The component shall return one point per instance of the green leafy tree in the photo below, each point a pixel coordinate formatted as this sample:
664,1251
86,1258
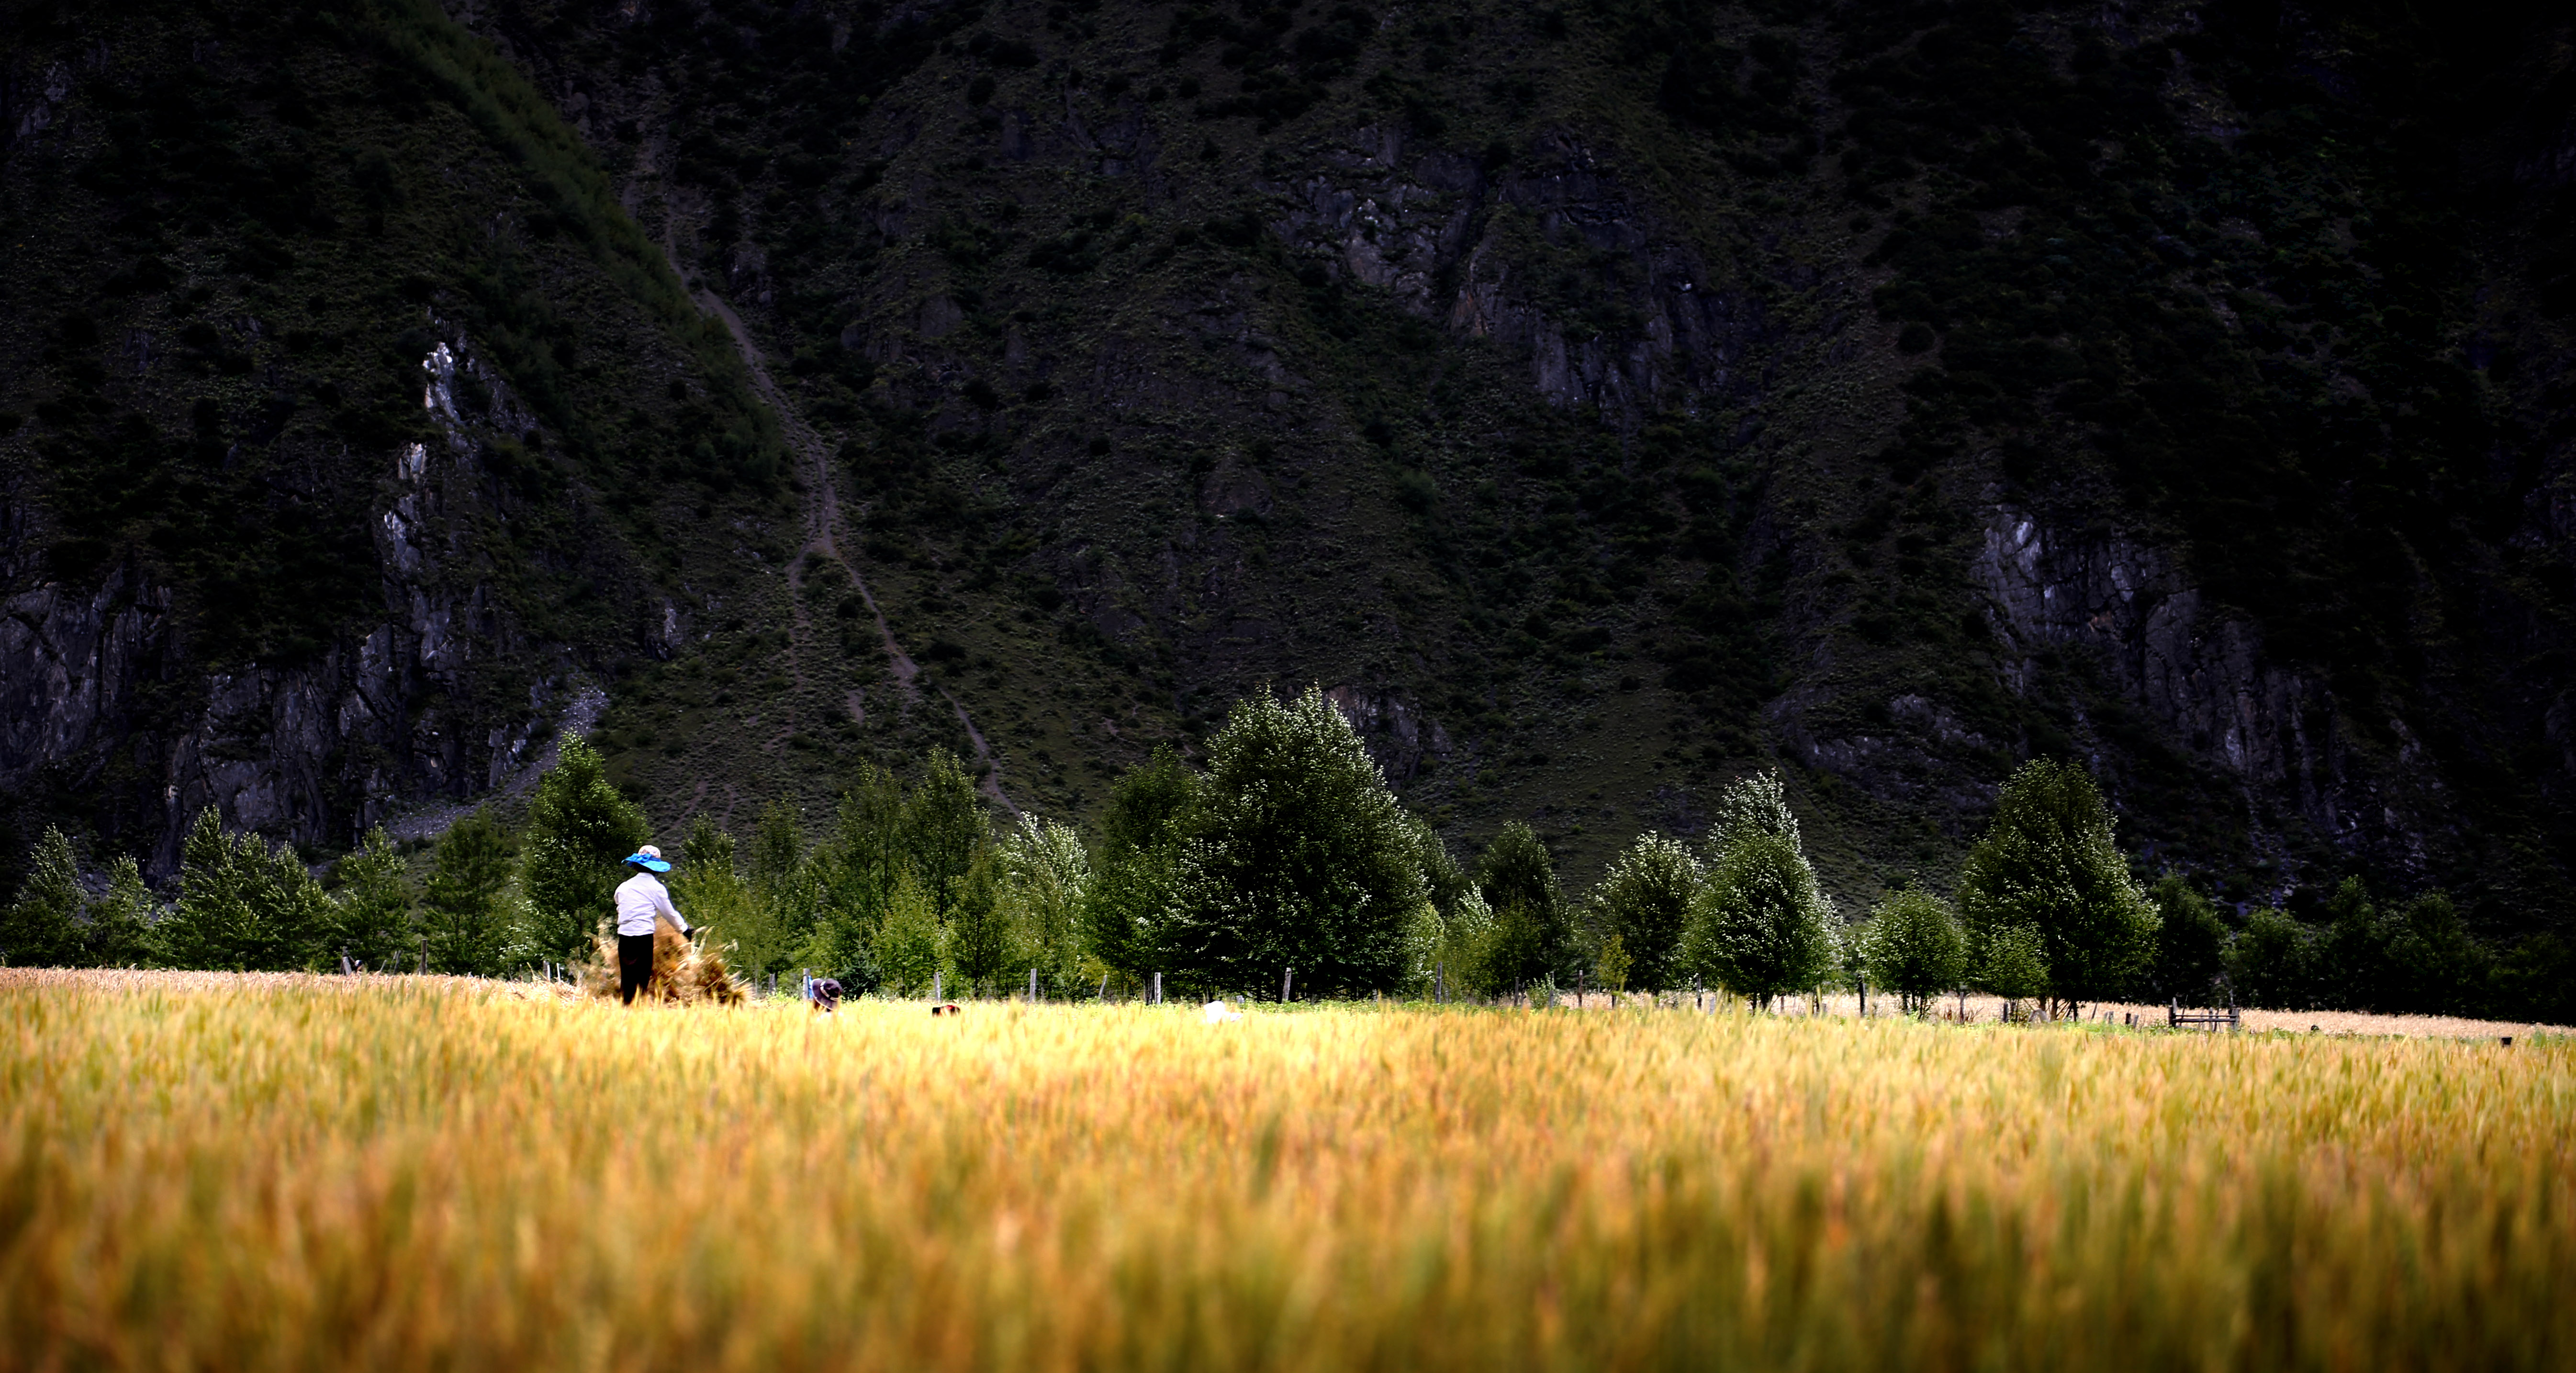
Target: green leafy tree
578,827
1298,857
1141,834
2273,962
1443,880
1517,871
214,923
2047,863
1519,954
908,944
1760,926
1610,972
41,928
1913,946
710,890
2191,941
1755,804
944,827
856,869
1464,958
122,922
2436,966
244,905
777,848
1644,903
372,919
2014,966
1046,878
980,946
464,926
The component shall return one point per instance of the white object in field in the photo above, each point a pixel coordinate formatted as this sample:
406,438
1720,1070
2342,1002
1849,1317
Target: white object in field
1217,1014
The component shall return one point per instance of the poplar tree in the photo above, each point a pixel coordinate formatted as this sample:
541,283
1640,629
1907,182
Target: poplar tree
2047,864
1644,904
1913,946
1046,877
1296,856
1759,926
979,930
2191,942
244,905
1150,811
122,922
1532,940
943,828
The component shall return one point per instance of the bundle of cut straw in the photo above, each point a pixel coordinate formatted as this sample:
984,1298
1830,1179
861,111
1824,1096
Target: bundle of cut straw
683,972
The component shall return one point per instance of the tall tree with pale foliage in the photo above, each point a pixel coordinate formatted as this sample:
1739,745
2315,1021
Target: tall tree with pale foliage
1046,877
1645,903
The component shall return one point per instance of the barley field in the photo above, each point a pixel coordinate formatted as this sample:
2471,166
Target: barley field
285,1173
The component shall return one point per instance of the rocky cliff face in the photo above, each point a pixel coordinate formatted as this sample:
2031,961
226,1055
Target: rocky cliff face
106,699
1444,240
2294,755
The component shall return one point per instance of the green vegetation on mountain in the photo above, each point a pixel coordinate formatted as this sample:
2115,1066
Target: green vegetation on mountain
1601,402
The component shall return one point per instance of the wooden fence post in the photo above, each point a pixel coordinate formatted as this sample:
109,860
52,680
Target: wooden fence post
1033,985
1286,977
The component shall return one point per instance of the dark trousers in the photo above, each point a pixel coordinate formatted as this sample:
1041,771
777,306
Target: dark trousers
634,965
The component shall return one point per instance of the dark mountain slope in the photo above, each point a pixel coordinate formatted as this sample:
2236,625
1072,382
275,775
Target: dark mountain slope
348,422
1605,399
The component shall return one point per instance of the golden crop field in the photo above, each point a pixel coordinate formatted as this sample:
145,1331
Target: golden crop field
310,1174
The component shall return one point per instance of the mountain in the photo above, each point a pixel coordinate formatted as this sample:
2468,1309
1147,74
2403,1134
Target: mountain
1599,400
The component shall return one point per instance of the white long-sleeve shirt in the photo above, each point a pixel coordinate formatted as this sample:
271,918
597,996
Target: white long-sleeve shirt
639,899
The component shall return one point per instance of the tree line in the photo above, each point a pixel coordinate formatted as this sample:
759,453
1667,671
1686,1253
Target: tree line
1283,856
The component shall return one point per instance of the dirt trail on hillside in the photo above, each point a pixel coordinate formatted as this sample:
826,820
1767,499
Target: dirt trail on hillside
822,526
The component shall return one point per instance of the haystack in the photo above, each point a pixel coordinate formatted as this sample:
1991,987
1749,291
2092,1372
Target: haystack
682,972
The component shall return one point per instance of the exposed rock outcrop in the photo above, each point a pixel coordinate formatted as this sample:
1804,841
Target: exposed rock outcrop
2202,675
105,699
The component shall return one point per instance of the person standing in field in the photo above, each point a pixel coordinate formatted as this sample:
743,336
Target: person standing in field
641,900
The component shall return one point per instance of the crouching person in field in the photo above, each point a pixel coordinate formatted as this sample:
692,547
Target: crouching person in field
641,900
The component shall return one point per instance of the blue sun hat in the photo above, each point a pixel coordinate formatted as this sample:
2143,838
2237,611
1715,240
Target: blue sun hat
649,859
